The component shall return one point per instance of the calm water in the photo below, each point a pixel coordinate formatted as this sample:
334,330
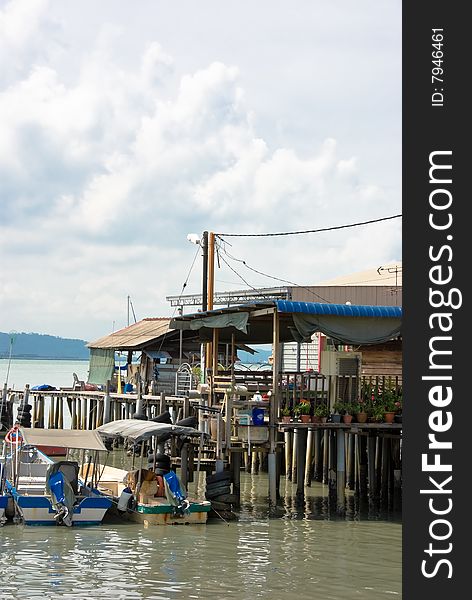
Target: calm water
304,553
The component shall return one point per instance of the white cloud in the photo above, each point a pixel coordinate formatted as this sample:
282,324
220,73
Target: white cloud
105,170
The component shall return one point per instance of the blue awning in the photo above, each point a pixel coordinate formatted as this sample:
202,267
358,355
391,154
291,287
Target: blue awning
341,310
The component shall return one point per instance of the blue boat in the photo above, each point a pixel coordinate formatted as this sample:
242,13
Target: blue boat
48,492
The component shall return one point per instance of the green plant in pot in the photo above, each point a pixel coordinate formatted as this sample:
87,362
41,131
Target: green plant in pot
359,411
321,411
302,410
339,407
285,414
337,411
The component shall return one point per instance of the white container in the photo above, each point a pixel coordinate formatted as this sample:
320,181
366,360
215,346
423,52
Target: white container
253,433
124,499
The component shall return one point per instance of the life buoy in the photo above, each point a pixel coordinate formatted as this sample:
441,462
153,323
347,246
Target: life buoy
13,436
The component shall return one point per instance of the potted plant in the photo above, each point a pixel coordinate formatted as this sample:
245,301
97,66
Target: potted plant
390,398
337,411
321,412
359,410
285,414
348,412
302,410
378,413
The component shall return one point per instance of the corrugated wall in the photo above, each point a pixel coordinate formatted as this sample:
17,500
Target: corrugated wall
377,295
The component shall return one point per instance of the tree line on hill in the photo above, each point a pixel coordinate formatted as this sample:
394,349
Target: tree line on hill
37,346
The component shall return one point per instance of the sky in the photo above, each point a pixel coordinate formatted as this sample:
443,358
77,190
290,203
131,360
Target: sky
126,126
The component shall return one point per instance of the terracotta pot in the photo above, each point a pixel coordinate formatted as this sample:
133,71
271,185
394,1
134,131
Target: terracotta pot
361,417
347,418
324,419
305,418
389,417
315,419
286,419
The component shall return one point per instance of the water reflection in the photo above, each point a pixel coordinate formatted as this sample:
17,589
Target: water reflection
307,552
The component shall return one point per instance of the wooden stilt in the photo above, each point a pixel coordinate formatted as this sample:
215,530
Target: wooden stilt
318,470
294,455
325,455
236,475
308,457
301,435
288,453
340,472
371,468
384,473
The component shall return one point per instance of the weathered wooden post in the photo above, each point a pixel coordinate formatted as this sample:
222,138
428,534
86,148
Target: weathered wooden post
288,453
371,467
184,466
274,411
236,475
308,459
340,472
318,471
107,403
301,435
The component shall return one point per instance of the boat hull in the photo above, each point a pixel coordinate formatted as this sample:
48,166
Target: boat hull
3,507
162,513
38,510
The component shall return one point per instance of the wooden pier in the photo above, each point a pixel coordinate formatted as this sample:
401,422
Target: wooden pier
359,458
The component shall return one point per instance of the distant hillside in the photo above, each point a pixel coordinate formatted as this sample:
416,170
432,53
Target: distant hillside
36,345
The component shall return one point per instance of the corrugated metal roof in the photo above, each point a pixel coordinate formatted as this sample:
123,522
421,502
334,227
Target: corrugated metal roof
134,336
344,310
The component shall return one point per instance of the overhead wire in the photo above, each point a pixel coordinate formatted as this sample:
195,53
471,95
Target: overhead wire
269,276
184,285
358,224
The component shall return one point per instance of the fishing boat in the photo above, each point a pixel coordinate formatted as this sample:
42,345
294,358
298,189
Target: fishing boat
48,492
152,495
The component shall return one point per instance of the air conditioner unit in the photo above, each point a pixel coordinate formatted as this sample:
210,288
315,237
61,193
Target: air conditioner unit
336,363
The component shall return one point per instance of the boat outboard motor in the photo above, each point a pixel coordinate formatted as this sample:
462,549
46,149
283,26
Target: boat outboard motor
175,494
63,498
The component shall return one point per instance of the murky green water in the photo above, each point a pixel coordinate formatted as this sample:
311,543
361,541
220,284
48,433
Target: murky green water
306,552
301,554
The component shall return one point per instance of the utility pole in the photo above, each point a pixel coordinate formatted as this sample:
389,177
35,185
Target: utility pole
205,271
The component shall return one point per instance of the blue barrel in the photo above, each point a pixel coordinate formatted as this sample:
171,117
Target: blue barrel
258,416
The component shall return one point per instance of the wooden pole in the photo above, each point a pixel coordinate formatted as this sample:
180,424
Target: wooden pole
308,459
294,455
236,473
274,409
301,435
318,472
106,404
371,468
340,472
288,453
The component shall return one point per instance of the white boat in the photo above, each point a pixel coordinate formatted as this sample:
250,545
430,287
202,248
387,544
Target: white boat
146,495
48,492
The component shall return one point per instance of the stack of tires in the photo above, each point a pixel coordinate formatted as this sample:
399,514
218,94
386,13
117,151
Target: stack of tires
23,415
218,491
162,465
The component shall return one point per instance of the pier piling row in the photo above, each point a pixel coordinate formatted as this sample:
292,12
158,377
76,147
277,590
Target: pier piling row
363,459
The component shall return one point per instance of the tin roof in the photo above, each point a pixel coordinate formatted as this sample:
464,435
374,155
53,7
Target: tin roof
135,336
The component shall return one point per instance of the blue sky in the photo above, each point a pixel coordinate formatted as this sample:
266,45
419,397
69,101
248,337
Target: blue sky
127,126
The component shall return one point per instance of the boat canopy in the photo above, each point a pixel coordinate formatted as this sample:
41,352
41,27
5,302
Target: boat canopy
62,438
138,430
